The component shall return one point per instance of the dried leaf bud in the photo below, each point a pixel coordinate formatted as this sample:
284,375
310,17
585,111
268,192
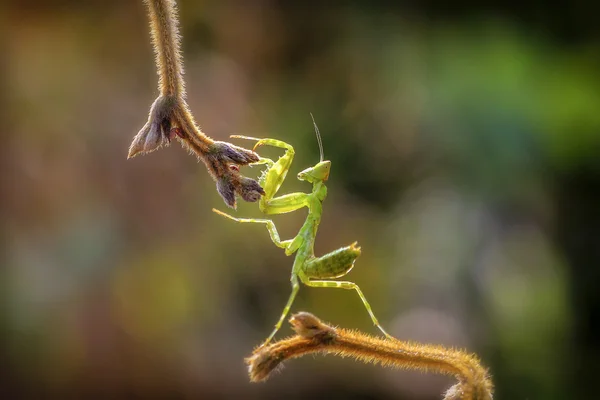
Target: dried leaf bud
227,152
249,190
227,190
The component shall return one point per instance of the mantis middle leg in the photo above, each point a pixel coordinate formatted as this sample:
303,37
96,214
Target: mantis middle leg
284,244
290,245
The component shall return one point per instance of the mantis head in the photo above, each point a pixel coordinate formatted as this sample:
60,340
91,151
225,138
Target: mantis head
320,172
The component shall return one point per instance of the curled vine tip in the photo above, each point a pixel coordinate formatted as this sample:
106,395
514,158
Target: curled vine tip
308,326
314,336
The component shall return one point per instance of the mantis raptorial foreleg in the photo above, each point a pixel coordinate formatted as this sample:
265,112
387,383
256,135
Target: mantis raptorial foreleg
273,178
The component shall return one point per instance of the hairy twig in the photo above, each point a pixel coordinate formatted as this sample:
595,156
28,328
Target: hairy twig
170,115
314,336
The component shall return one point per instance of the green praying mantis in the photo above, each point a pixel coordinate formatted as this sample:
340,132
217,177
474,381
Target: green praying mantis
311,270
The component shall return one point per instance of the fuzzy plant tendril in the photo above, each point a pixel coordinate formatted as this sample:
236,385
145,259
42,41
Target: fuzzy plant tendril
314,336
170,116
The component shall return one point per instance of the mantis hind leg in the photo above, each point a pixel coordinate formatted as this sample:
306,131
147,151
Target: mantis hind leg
335,265
286,310
349,286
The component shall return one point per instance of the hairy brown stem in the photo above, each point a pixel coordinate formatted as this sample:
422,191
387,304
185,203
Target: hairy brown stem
171,117
165,37
314,336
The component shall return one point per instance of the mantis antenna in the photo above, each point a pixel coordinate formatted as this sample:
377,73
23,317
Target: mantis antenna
318,137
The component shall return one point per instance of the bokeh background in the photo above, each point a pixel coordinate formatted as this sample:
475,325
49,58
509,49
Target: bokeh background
465,147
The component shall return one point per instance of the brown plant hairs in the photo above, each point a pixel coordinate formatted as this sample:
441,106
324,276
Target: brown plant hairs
171,117
314,336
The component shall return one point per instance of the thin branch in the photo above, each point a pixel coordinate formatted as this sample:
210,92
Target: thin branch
314,336
171,117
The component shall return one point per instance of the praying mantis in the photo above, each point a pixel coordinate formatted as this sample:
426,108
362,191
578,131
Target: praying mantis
311,270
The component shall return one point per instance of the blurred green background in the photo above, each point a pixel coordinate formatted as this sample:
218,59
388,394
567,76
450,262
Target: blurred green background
465,149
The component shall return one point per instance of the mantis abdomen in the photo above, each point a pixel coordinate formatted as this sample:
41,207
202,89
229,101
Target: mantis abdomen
332,265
